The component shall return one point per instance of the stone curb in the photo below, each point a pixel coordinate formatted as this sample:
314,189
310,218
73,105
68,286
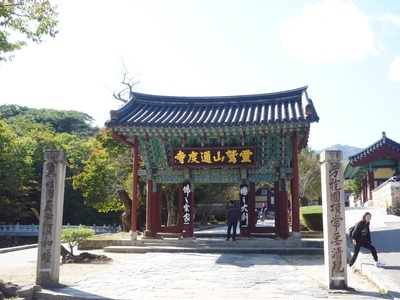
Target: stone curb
367,267
10,249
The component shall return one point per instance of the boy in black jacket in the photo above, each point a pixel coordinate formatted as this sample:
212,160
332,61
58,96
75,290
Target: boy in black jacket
362,238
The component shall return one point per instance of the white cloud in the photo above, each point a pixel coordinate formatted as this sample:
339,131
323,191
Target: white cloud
331,30
390,18
394,70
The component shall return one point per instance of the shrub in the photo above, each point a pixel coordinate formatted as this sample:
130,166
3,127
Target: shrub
74,236
311,217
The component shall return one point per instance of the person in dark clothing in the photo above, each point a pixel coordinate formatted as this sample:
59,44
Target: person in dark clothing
232,217
361,237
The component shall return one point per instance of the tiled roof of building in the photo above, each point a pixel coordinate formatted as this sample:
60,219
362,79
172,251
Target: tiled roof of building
384,141
384,153
146,110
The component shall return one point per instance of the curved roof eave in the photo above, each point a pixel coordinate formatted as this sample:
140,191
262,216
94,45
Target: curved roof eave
244,105
369,151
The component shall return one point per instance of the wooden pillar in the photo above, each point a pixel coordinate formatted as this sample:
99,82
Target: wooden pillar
186,209
135,199
149,223
154,209
243,206
363,191
370,184
252,207
284,233
158,207
269,204
277,207
191,225
295,186
180,210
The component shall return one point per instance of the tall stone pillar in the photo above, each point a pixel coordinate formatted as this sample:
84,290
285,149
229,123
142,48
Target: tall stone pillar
334,219
51,211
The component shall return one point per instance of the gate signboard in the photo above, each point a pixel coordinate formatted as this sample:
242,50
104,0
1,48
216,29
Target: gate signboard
213,157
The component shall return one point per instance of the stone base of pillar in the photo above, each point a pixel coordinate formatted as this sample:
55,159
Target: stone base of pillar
133,235
295,235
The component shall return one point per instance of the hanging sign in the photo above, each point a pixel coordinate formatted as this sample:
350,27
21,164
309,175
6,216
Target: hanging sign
186,203
244,205
214,157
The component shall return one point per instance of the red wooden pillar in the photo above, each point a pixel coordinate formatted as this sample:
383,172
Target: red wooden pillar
370,184
187,228
295,186
244,231
135,199
284,228
252,207
155,210
149,221
363,191
180,208
277,206
158,204
191,225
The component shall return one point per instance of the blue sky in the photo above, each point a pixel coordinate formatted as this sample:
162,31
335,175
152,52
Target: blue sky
346,52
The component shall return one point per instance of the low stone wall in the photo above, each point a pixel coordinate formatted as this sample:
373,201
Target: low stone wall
352,200
388,192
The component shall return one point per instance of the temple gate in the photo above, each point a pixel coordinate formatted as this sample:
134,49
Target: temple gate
243,140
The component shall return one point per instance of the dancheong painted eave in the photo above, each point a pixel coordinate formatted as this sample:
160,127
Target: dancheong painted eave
144,110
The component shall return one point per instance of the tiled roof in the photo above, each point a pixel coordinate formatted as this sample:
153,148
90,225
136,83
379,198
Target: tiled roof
384,153
384,141
146,110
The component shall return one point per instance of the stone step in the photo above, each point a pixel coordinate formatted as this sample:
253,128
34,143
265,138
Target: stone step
219,245
227,249
240,242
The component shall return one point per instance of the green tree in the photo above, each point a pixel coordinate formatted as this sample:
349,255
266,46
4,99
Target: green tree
212,193
309,176
68,121
25,20
40,137
353,185
74,236
16,176
106,179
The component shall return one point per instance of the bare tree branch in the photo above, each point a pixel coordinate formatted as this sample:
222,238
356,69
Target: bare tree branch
128,79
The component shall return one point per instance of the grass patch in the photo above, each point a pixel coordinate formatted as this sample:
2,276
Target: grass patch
311,217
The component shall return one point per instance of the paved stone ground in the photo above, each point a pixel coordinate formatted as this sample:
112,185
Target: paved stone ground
215,276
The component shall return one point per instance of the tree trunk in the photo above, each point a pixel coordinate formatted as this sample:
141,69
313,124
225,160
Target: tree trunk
127,215
169,196
171,211
203,218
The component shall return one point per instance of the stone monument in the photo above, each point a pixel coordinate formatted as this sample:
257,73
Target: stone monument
335,250
51,211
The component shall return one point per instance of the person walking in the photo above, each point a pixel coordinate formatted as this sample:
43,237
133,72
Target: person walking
361,237
232,217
